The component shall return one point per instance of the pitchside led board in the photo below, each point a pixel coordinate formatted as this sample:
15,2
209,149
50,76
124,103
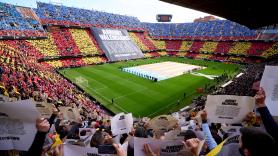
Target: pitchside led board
116,44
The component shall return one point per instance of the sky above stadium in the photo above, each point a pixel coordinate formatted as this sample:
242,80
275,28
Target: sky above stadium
145,10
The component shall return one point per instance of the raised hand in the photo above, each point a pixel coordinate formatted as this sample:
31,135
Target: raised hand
260,98
54,110
42,125
192,145
148,151
120,151
204,116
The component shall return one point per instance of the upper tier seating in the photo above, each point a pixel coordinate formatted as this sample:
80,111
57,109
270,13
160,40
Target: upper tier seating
224,29
14,23
71,15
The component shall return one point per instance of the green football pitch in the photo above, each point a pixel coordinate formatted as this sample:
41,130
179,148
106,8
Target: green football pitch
140,96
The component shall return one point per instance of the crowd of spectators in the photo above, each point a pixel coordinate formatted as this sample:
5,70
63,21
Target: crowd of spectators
263,49
241,86
68,48
76,62
65,42
46,46
144,43
23,77
257,134
70,15
271,51
217,29
209,47
13,23
84,42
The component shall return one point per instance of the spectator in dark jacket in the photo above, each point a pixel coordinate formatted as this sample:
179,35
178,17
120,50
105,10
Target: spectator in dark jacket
43,126
268,121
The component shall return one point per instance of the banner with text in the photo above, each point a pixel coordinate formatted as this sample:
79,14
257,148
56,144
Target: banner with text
270,84
166,147
116,44
121,123
228,108
17,125
73,150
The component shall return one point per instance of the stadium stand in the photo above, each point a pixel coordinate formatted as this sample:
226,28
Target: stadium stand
40,83
46,46
181,54
191,55
185,45
30,55
95,42
271,51
257,49
240,48
196,46
94,60
223,47
141,42
62,15
163,53
159,44
138,41
14,24
219,29
203,56
65,43
209,47
55,63
147,55
218,57
172,45
83,42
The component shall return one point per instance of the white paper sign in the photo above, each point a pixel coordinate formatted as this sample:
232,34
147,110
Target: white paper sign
228,108
121,123
176,115
270,84
74,150
86,139
44,109
3,99
231,129
167,147
173,135
17,125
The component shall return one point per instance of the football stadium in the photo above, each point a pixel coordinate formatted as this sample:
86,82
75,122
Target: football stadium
76,81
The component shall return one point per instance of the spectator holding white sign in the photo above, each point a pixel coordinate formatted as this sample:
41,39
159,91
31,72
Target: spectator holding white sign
268,121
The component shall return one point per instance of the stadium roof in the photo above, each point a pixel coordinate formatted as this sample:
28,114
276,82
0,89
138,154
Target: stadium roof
253,14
